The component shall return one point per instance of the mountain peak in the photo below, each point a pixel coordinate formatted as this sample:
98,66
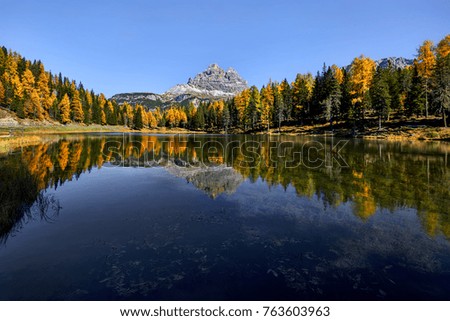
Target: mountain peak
211,84
216,79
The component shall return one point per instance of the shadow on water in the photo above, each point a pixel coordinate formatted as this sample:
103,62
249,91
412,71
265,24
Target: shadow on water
22,200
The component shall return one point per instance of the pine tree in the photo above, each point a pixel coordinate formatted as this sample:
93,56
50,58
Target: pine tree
278,106
253,110
415,100
137,118
441,79
379,94
286,92
301,95
226,118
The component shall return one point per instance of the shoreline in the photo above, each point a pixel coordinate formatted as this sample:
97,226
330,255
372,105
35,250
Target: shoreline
401,133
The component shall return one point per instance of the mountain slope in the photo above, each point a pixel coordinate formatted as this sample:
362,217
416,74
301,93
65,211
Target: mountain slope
212,84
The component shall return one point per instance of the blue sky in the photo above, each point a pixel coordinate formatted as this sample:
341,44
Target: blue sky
123,46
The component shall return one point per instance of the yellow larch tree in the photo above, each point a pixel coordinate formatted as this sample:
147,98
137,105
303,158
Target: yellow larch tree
426,60
443,47
152,123
362,70
32,105
46,97
28,81
2,94
266,105
64,109
76,106
338,74
241,102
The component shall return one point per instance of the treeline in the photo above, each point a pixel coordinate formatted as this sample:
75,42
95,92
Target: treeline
335,95
30,91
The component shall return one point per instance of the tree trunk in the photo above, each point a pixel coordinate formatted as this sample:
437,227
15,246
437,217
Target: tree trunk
379,122
426,98
444,116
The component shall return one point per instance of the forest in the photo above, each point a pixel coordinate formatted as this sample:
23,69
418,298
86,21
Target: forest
353,97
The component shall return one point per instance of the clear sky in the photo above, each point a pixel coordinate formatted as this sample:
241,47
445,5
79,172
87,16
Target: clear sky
131,45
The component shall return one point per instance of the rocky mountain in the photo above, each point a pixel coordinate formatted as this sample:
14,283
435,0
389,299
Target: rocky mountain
396,62
211,84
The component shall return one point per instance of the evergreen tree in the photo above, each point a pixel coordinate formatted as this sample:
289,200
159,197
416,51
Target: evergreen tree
137,119
253,110
415,100
278,106
286,92
441,79
301,95
379,94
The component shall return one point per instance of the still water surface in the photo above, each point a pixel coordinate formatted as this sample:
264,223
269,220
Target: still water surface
144,217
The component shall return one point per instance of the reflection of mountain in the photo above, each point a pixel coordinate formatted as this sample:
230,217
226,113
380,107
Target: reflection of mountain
380,175
212,180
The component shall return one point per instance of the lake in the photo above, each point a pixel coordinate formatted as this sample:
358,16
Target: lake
236,217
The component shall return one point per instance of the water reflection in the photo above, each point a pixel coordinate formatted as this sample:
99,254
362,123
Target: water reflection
367,174
224,217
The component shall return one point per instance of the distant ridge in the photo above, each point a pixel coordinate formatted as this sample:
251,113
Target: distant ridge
212,84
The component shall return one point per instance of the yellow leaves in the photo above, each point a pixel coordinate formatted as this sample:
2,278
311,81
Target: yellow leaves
175,117
443,47
338,74
426,59
28,81
241,101
152,123
64,109
362,70
2,93
77,108
32,105
63,155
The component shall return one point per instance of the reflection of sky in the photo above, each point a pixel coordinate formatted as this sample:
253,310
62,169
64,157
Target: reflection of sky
131,231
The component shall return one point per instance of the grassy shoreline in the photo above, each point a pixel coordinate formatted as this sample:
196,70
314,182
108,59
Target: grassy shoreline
408,131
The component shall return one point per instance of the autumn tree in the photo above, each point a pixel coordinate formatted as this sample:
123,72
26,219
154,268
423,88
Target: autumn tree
267,100
76,107
64,109
361,73
152,123
426,61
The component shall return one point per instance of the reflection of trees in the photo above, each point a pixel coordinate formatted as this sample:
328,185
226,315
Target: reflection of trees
379,175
